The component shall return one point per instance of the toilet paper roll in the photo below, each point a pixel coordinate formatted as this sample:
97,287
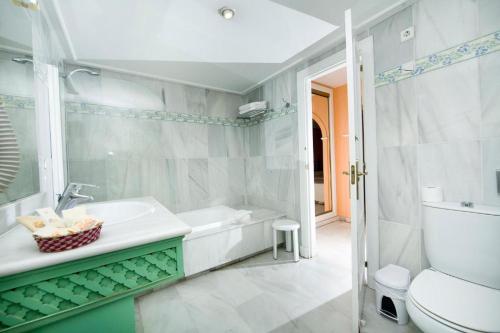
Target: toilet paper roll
432,194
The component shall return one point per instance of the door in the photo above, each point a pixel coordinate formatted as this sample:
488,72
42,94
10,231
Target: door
357,171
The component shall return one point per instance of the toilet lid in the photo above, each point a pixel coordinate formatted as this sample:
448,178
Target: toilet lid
457,301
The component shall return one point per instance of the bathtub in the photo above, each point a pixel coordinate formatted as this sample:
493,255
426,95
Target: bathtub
214,217
224,234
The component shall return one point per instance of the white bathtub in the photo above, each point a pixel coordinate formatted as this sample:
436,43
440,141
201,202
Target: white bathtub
223,234
213,217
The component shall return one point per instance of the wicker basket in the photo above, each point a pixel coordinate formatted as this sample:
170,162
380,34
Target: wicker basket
63,243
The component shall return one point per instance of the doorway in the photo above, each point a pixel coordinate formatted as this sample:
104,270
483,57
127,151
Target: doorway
356,59
330,147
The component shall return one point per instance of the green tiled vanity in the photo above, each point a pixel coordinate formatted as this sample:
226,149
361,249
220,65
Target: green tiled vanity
95,294
91,288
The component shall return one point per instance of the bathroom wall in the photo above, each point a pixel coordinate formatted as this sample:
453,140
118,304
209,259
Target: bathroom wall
134,136
440,128
272,177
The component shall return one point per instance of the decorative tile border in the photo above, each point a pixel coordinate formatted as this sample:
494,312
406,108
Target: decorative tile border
8,101
16,102
468,50
111,111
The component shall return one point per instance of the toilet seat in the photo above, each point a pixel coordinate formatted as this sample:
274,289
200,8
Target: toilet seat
441,303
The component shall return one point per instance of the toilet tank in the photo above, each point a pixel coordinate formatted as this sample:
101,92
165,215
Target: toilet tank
463,242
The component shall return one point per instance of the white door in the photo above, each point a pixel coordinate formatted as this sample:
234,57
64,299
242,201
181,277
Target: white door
357,171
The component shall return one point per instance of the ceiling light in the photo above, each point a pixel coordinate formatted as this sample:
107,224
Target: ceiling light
226,13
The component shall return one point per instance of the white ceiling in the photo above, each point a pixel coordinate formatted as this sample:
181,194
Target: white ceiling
334,79
15,28
187,41
188,30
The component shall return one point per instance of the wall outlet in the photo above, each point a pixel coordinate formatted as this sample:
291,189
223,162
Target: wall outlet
407,34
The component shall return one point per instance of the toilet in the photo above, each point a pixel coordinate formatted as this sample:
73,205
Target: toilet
461,290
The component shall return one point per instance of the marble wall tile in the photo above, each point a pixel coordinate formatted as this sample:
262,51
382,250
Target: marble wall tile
254,96
396,114
389,51
198,179
216,141
218,179
90,172
268,93
235,141
491,163
284,89
123,178
279,136
400,245
398,185
489,74
184,99
176,189
144,138
116,89
448,103
256,140
184,140
223,104
15,79
443,24
254,167
455,167
236,178
489,10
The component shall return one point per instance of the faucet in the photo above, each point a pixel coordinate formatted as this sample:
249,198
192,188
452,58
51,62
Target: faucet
72,197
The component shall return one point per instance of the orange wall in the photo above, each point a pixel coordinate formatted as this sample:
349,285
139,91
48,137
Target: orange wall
341,129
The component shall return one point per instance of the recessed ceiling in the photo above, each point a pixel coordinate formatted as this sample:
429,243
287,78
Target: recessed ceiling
188,30
188,41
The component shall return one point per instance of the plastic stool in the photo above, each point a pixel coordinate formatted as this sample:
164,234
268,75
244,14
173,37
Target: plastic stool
287,226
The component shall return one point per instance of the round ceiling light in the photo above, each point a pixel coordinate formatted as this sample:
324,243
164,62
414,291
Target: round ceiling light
226,12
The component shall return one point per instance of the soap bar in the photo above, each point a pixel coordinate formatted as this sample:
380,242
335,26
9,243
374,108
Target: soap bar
33,223
48,215
74,213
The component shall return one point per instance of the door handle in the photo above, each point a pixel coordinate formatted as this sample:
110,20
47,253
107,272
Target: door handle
355,175
345,173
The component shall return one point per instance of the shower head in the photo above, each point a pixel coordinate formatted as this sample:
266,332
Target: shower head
83,70
70,87
22,60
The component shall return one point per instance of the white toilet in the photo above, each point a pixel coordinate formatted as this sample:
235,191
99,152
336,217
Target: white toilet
461,292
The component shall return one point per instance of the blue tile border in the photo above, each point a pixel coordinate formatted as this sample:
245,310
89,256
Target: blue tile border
8,101
17,102
475,48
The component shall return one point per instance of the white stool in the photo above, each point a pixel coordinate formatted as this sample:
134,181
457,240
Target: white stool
391,284
287,226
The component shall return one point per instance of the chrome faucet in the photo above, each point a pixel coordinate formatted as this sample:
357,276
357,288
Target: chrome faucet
72,197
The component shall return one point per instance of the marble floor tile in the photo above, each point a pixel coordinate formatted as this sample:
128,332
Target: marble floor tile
261,294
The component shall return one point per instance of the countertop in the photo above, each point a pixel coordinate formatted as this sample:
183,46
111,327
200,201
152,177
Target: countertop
19,252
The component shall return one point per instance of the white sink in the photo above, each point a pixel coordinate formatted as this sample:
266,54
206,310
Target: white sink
119,211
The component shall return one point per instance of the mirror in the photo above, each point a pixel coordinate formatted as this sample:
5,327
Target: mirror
18,140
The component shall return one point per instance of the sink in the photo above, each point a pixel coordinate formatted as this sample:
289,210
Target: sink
119,211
